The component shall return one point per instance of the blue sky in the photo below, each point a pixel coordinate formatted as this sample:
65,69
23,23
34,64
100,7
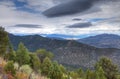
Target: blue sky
63,17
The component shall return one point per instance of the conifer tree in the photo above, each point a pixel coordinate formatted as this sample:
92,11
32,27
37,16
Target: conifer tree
11,54
55,71
3,41
100,73
22,55
42,53
80,73
46,66
35,62
108,67
63,69
90,74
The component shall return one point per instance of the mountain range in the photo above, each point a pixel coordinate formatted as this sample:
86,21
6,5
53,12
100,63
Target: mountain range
67,52
103,41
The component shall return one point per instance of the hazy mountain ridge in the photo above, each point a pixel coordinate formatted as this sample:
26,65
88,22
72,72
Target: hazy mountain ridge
103,41
67,52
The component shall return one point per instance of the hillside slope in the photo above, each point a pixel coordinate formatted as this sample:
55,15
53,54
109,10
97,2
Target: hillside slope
67,52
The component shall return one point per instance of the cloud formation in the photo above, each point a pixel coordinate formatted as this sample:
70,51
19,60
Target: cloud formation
70,7
77,6
76,19
80,25
99,16
28,26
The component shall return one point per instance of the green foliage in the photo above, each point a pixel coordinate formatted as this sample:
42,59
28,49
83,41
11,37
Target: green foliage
108,67
55,71
80,73
90,74
46,66
42,53
100,73
74,75
63,69
41,60
3,41
35,62
9,68
11,54
16,66
26,69
22,55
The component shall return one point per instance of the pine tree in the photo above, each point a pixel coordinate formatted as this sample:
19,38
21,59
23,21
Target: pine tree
81,73
3,41
55,71
35,62
108,67
11,54
22,55
100,73
46,66
90,74
63,69
42,53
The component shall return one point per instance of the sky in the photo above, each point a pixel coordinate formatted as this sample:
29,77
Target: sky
76,18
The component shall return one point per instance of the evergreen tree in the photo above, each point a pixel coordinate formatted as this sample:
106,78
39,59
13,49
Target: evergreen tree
42,53
55,71
46,66
100,73
108,67
22,55
35,62
80,73
63,69
11,54
90,74
3,41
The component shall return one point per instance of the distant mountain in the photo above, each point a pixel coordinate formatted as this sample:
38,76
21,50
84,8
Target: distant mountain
67,52
53,36
102,41
63,36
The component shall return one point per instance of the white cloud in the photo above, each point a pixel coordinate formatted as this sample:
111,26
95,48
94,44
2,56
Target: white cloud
40,5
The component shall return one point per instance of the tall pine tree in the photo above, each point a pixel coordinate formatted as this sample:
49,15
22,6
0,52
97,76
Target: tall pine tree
35,62
11,54
46,66
3,41
55,71
22,55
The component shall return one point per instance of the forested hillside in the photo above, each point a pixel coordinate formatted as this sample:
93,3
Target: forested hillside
67,52
22,64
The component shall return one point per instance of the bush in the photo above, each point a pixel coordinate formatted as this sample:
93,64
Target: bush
26,69
9,68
